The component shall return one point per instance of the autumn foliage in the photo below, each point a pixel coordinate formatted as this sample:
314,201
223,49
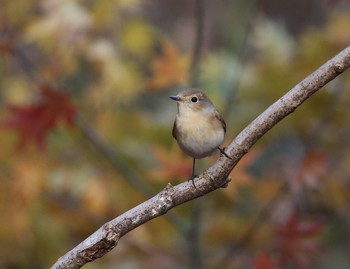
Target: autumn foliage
85,132
295,244
33,122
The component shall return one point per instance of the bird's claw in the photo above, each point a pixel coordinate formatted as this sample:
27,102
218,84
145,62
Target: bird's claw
192,179
222,150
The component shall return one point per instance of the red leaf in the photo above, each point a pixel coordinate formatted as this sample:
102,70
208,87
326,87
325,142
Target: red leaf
6,47
295,241
33,122
265,261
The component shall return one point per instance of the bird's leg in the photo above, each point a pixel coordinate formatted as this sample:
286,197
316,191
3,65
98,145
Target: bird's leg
224,153
193,175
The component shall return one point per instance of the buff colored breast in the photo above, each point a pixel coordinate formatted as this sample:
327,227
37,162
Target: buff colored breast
199,134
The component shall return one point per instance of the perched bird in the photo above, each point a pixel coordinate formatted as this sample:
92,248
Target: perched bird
199,129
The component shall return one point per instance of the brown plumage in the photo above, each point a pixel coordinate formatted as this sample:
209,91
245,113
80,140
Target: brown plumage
199,129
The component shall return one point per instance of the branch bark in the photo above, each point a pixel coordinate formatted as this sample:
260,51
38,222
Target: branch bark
106,238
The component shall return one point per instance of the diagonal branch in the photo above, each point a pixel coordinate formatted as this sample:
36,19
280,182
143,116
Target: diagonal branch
106,238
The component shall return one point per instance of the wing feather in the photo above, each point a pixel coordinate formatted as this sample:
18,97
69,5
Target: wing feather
219,117
175,132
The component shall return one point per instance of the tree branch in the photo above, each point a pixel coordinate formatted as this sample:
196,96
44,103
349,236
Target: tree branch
106,238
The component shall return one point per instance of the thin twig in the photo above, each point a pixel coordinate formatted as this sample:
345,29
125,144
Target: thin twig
112,154
121,165
114,157
198,42
193,238
106,238
194,228
253,228
242,53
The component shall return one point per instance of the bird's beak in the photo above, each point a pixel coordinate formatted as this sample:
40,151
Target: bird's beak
176,98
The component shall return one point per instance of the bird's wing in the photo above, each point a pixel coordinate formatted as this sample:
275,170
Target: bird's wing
219,117
175,132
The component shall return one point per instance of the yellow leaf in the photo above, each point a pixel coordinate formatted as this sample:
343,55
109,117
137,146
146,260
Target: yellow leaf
137,38
338,28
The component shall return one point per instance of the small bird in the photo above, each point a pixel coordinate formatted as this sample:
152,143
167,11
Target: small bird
199,129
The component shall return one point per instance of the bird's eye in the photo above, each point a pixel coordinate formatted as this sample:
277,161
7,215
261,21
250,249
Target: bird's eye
194,99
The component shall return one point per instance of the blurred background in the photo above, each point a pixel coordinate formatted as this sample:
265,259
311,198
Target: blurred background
86,124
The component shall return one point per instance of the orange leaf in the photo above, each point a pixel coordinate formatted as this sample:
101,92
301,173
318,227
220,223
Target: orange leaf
172,164
265,261
169,68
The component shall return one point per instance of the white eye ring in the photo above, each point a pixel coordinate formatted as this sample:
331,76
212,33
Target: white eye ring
194,99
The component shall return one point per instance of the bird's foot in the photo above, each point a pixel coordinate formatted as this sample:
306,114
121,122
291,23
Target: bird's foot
222,150
192,179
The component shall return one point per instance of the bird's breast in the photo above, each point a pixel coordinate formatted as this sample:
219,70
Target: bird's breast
199,135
